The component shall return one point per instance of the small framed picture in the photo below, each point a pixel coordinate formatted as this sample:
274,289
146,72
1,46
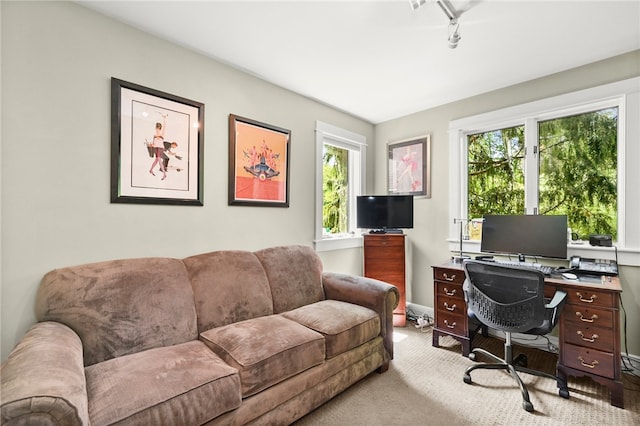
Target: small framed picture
410,167
258,163
157,142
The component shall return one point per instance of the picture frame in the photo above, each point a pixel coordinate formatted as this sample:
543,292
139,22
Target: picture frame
157,144
409,167
259,157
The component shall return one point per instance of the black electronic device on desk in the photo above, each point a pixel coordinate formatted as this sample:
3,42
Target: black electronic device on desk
580,265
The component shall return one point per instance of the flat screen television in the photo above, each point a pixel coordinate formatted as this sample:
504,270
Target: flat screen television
384,213
527,235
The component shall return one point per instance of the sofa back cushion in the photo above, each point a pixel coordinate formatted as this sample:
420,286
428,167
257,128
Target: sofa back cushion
229,286
121,307
295,276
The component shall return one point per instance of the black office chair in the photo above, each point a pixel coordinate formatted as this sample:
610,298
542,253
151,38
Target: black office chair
510,299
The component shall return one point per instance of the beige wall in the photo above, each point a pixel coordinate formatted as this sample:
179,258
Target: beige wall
429,235
57,59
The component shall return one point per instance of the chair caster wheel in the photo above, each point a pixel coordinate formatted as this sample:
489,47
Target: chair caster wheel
467,379
527,406
564,393
472,356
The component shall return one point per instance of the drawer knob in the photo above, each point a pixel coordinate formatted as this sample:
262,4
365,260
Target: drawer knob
585,364
449,308
583,319
586,339
449,278
449,293
452,325
589,300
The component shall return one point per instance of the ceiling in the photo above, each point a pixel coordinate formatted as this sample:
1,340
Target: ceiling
380,60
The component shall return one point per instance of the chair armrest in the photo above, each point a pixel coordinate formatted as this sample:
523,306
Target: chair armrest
377,295
554,307
43,379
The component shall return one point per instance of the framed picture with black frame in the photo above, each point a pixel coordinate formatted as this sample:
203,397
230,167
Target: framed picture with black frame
259,157
409,166
157,143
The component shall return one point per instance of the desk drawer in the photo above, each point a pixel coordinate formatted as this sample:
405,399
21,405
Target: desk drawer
449,275
449,290
591,297
451,323
589,336
589,360
455,305
587,315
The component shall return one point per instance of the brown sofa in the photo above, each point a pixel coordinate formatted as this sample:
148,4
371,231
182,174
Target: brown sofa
227,337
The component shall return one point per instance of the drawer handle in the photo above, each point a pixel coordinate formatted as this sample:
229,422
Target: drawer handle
449,293
449,308
583,319
586,339
452,325
584,364
449,278
589,300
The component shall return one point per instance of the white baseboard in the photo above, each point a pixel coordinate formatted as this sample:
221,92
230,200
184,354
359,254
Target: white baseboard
630,361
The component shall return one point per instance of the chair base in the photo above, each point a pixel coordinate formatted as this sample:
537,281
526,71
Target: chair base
513,366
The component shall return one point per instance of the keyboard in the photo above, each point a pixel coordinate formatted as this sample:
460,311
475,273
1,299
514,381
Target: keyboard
545,269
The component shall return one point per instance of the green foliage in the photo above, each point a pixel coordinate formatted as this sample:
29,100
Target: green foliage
496,177
577,171
335,169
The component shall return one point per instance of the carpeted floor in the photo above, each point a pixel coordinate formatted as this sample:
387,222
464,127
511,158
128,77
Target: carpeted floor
424,386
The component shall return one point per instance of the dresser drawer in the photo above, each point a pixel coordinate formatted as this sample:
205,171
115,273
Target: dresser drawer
449,275
589,360
589,336
588,315
384,241
451,323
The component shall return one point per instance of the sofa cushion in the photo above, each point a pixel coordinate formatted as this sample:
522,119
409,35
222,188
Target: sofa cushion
266,350
121,307
228,286
344,325
295,276
182,384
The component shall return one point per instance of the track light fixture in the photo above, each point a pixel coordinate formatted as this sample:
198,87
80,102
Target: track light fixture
452,14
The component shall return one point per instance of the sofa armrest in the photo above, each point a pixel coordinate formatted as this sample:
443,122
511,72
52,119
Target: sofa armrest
368,292
43,379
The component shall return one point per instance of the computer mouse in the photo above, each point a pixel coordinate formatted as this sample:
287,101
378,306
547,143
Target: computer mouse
569,276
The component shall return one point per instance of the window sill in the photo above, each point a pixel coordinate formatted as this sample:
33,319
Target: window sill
626,257
338,243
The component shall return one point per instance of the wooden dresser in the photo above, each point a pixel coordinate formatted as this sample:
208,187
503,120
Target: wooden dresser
589,326
384,260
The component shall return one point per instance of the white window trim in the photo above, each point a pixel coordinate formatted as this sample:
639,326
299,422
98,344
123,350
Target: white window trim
624,94
327,133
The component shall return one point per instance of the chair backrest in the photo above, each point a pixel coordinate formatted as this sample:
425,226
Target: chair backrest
504,297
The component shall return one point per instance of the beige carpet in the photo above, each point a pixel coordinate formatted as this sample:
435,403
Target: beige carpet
424,387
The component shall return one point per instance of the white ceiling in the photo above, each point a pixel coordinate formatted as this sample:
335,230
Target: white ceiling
380,60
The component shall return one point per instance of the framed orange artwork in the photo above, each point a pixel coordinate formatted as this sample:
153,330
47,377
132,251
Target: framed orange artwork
258,163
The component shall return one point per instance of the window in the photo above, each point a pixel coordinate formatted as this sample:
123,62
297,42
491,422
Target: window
575,173
340,157
562,155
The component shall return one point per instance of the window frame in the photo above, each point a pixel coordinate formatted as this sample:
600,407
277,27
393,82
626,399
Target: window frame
329,134
623,94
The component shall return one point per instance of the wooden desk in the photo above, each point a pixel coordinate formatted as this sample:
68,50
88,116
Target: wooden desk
589,326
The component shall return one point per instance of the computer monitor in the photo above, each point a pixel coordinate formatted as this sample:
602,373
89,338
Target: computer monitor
528,235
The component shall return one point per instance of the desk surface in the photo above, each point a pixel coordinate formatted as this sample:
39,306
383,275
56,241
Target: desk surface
609,283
